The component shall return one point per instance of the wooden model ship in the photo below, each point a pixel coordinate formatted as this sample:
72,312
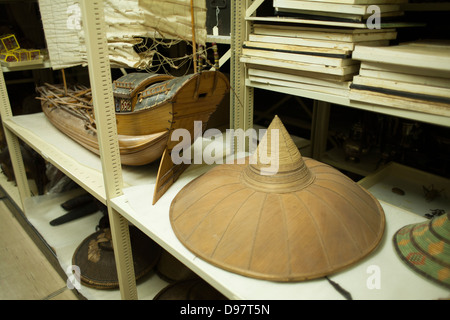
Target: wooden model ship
148,108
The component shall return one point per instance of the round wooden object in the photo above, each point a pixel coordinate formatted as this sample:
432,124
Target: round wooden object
171,269
304,221
95,258
190,289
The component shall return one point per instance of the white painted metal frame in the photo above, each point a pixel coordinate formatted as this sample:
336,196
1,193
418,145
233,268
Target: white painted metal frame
241,96
104,186
100,79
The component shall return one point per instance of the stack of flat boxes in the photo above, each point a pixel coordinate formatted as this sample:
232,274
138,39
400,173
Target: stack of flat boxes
413,76
316,54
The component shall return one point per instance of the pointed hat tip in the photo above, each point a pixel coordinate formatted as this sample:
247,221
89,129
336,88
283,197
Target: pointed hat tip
275,119
283,148
276,124
277,163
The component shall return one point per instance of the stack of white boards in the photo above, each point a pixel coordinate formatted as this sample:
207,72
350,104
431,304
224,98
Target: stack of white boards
308,57
413,76
339,10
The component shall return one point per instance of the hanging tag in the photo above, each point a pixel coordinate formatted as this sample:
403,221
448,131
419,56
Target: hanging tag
215,31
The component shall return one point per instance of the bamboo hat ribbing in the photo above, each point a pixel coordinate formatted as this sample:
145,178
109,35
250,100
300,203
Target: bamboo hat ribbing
303,220
425,248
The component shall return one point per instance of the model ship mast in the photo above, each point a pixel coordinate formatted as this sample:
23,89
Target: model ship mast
194,44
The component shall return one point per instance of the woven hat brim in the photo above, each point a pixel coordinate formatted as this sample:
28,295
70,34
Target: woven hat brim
425,248
246,230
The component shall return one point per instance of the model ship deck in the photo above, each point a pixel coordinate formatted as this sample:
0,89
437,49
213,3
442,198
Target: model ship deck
148,108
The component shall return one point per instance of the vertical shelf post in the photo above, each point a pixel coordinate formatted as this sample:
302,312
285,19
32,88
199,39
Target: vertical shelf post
13,145
101,85
241,96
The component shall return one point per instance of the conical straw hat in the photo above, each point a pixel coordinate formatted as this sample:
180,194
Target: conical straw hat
297,220
425,248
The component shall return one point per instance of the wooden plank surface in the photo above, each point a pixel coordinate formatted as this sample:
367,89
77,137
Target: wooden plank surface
362,1
298,78
303,58
347,71
404,69
305,86
330,7
298,49
289,68
339,24
338,16
334,34
302,42
328,29
402,86
440,109
421,56
404,77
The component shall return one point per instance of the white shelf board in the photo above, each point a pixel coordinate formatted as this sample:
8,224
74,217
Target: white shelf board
27,65
345,101
79,164
280,19
341,100
135,205
397,280
222,39
411,181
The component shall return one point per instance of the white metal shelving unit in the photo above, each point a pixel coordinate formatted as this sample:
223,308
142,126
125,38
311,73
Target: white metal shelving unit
105,183
244,15
134,205
241,116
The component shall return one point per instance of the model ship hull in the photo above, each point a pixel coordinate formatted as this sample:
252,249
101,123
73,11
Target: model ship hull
146,112
134,150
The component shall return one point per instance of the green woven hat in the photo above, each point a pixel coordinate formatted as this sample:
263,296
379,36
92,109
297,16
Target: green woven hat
425,248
